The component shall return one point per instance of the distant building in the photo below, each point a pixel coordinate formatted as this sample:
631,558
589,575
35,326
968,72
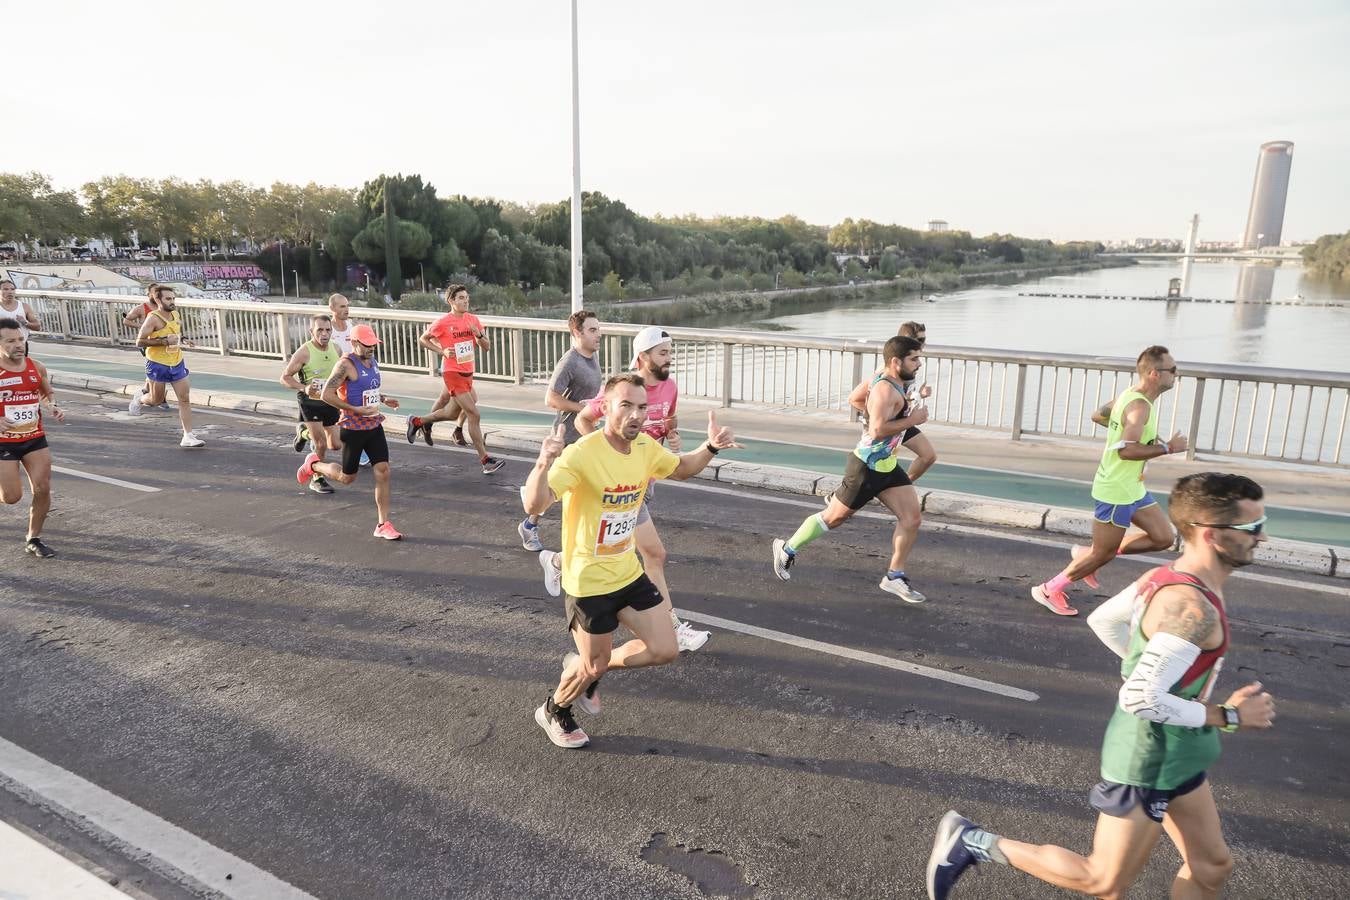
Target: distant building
938,225
1270,188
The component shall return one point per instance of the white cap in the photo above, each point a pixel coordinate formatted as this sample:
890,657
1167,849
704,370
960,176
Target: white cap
647,338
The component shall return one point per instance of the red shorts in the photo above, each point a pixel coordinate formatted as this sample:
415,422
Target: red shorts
457,382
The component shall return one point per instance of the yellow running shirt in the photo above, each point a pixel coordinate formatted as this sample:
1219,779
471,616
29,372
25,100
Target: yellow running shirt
601,491
166,355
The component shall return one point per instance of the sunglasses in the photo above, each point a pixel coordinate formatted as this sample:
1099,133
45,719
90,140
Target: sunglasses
1171,369
1249,527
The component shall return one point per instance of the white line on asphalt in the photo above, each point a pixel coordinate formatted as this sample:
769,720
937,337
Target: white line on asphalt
32,869
876,659
147,833
106,480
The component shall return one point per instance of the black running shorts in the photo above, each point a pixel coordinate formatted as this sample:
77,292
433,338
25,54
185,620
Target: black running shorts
910,434
599,614
1118,799
318,411
354,440
13,451
862,484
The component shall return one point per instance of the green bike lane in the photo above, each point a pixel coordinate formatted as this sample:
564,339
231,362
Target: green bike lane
1292,524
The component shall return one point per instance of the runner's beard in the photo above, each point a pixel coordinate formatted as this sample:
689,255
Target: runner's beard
15,355
660,373
1233,561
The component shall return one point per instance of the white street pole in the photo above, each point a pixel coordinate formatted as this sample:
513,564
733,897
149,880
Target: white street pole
577,299
297,283
281,254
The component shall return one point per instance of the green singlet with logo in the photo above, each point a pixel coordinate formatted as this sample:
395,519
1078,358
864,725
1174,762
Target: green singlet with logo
1121,481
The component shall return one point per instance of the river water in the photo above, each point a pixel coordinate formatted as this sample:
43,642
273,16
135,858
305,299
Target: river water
998,317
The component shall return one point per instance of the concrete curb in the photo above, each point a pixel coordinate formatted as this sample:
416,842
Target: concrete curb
1297,556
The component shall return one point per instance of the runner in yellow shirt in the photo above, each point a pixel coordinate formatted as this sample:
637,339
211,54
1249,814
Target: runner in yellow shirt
601,480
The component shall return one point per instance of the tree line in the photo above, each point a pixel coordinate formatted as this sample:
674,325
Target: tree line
398,226
1329,256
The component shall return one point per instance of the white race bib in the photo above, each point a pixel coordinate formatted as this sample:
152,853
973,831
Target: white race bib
371,397
27,414
616,532
316,387
463,352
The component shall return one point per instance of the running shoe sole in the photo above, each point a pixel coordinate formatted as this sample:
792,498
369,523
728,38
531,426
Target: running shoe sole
541,719
305,473
1038,594
301,438
412,431
551,575
493,466
779,546
948,834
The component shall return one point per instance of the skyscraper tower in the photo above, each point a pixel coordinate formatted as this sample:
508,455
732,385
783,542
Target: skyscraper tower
1265,217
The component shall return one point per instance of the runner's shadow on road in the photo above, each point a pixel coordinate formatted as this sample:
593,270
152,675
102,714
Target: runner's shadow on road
1298,839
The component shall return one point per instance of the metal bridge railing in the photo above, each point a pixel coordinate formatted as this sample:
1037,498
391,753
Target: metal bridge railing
1243,411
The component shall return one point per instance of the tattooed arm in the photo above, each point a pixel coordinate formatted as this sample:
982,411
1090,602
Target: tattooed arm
1179,622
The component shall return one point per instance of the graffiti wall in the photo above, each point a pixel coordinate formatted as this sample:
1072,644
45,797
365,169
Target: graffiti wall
222,280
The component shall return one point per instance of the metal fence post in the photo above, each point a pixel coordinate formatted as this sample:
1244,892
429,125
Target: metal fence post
726,375
223,341
63,316
113,322
285,336
853,414
1019,401
517,356
1193,431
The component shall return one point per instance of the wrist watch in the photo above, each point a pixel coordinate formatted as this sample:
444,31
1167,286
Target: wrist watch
1231,721
711,449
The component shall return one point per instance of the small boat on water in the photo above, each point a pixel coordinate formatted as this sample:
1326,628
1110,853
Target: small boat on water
1297,298
931,298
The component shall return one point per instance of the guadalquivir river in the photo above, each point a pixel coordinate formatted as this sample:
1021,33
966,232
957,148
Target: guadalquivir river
995,316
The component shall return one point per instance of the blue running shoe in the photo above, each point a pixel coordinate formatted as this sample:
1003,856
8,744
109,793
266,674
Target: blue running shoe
365,460
950,856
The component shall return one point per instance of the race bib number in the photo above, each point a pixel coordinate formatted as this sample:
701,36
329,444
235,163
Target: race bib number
463,352
371,397
316,387
18,416
616,532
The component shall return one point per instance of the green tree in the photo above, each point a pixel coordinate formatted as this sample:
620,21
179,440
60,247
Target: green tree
614,286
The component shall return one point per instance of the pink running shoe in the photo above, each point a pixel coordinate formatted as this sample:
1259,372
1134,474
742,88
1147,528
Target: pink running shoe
387,531
1090,579
1055,601
306,470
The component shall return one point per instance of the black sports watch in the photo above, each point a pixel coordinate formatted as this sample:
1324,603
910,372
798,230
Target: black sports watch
711,449
1231,721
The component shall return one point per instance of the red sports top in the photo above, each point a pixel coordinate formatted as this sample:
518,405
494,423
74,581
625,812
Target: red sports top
1166,575
19,411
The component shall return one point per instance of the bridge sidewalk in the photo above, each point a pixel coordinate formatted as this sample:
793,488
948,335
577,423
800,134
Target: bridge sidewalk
1308,504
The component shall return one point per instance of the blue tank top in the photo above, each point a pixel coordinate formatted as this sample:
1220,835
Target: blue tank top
364,391
879,455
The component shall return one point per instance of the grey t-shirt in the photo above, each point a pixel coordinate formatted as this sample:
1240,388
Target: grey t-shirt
577,378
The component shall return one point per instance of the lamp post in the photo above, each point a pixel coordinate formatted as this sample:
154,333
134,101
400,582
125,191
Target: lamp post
281,255
297,283
577,298
422,272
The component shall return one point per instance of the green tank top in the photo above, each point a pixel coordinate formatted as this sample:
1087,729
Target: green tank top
320,365
1148,754
1120,481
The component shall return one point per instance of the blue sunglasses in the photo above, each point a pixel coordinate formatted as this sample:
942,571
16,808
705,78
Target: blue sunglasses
1249,527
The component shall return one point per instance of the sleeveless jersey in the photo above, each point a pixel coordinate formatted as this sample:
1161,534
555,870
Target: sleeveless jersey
20,414
879,455
343,338
18,314
1149,754
321,362
166,356
1119,480
364,391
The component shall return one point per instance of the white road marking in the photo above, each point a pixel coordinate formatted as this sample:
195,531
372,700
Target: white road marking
876,659
32,869
143,831
117,482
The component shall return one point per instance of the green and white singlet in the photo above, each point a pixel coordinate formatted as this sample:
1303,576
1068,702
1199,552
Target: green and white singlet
1121,481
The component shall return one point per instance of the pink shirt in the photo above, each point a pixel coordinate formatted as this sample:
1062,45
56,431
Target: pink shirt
661,399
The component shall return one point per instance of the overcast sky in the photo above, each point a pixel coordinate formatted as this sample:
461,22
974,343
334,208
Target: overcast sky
1045,119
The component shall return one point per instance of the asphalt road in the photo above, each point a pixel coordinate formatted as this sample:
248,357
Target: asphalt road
241,658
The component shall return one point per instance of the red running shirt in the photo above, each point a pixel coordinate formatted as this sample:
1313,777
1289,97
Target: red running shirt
20,394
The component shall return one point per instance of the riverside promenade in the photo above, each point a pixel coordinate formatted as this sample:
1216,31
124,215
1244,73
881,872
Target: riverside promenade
1037,482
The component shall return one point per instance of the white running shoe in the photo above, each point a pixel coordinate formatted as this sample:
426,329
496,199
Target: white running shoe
135,407
561,729
552,574
690,638
529,536
900,588
782,560
190,441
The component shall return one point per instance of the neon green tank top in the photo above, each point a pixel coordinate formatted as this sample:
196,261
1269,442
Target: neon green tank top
166,356
321,362
1119,480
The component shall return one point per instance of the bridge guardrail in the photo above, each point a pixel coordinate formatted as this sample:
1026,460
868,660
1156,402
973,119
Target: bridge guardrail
1289,415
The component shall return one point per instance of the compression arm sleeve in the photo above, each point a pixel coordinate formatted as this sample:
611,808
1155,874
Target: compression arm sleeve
1145,693
1111,621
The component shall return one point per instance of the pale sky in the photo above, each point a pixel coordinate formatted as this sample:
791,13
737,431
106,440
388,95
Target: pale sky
1037,117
